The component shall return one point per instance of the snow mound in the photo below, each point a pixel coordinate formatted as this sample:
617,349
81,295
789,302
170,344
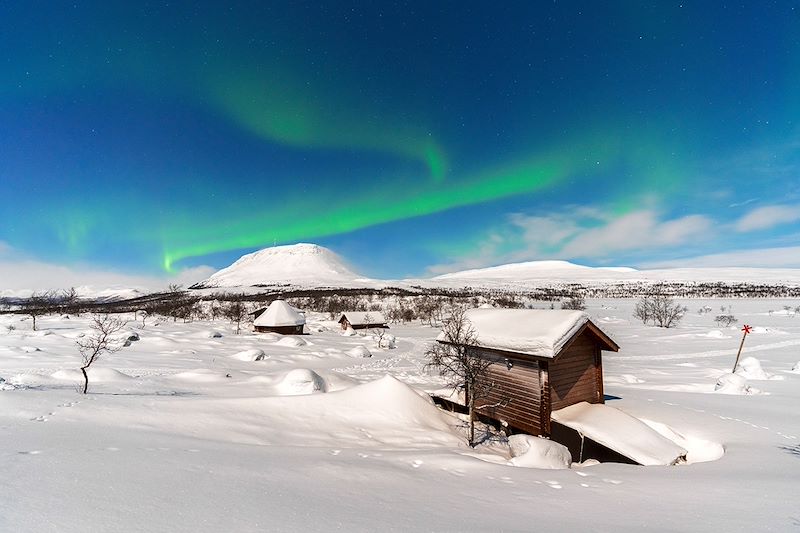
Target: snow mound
29,349
698,450
40,333
750,368
388,341
536,452
302,381
250,355
292,342
733,384
349,332
714,334
95,374
211,334
6,386
201,375
359,351
620,432
796,368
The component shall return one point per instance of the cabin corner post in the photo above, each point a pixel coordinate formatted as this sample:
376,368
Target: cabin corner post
544,393
598,364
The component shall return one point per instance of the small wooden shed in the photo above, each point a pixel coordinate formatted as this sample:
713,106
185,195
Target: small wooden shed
363,320
542,361
280,317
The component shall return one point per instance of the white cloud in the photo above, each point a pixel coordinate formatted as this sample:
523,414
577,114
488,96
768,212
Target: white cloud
768,216
20,274
785,257
581,234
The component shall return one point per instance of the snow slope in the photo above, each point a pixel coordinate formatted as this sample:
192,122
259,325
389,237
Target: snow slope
296,263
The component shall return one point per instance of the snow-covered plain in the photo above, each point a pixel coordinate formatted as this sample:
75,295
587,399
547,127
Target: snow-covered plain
187,431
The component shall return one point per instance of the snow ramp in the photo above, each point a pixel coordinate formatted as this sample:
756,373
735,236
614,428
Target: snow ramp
620,432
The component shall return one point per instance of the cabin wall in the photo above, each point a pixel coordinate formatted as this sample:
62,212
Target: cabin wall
577,374
283,330
515,394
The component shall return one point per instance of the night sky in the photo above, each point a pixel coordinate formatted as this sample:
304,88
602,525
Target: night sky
412,138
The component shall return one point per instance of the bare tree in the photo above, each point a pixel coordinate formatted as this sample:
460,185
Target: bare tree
68,300
659,309
456,360
236,312
101,341
575,303
38,304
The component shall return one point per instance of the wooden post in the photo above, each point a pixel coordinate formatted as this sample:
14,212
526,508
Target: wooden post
746,329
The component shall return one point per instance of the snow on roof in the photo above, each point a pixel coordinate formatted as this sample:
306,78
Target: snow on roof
537,332
621,432
362,318
279,313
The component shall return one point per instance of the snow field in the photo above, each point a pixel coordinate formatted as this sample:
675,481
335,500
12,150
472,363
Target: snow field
186,432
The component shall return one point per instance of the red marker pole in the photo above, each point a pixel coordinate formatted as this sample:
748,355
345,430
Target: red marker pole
747,329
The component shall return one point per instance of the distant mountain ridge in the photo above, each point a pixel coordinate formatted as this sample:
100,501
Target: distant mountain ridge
311,265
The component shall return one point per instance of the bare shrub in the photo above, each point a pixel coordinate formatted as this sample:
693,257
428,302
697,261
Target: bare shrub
659,310
100,341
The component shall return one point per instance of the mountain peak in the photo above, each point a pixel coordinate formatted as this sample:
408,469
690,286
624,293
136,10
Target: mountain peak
291,263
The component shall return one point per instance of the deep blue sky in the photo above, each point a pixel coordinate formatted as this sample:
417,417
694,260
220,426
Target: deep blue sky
412,137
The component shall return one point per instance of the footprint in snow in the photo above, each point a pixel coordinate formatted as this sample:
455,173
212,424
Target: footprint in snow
335,452
612,481
39,419
31,452
416,464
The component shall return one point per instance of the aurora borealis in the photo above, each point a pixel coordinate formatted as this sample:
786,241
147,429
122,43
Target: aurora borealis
411,137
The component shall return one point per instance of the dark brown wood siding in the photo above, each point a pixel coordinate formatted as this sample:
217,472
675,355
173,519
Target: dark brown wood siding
283,330
515,394
576,375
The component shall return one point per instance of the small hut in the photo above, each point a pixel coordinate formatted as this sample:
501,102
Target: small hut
363,320
280,317
542,361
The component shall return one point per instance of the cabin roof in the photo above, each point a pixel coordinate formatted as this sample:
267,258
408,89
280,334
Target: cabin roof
279,313
535,332
363,318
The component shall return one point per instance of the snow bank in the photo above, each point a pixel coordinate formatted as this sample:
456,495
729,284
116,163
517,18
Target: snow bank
250,355
98,374
201,375
714,334
620,432
302,381
292,342
359,351
536,452
750,368
733,384
699,450
349,332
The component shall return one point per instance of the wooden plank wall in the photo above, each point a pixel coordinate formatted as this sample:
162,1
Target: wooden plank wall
515,395
575,375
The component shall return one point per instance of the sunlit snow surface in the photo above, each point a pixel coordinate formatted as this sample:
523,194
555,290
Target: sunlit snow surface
185,431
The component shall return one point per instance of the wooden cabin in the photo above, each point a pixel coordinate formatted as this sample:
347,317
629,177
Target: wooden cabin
542,361
363,320
280,317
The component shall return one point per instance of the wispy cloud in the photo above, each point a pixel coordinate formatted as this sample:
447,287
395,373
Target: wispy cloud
581,234
768,216
785,257
20,274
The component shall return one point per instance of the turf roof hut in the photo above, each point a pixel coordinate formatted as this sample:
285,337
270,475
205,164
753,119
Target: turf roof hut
542,361
280,317
363,320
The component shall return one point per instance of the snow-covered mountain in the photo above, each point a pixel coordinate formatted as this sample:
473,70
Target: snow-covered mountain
530,270
296,264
